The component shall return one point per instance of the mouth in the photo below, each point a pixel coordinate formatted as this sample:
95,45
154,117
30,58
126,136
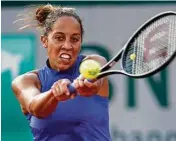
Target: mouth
65,57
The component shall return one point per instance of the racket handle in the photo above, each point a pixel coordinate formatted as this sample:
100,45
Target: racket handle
72,89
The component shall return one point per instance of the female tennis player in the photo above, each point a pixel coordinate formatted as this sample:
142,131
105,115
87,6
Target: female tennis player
54,114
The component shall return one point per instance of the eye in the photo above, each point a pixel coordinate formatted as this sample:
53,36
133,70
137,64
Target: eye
59,38
75,39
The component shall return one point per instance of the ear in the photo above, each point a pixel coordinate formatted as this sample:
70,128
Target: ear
44,40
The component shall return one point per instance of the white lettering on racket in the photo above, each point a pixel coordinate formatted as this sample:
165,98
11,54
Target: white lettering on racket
157,36
155,25
155,43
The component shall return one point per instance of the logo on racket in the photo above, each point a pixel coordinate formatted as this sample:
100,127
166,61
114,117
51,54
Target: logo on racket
155,44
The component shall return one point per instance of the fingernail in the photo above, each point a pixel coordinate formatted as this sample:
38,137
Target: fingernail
68,93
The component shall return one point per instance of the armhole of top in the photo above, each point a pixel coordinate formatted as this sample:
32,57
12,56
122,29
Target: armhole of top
84,56
81,58
39,77
37,72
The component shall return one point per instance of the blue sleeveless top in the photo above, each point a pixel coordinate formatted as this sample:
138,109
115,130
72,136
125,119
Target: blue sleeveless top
78,119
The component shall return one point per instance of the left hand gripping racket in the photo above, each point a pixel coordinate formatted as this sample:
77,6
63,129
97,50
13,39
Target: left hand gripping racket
150,49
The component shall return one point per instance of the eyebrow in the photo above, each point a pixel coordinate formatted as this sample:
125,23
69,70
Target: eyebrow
77,34
58,33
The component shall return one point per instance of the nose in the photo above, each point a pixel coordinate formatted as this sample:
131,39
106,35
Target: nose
67,45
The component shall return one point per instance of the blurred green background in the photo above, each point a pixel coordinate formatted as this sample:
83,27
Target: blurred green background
16,59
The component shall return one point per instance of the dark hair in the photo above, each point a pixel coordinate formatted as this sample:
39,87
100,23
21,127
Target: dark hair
43,17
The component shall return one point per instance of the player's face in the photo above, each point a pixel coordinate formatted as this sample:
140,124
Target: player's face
63,43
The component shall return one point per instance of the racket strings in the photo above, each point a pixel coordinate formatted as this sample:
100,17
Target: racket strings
152,47
151,51
172,36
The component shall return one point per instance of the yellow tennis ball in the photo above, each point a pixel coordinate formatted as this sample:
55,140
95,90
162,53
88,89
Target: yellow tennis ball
90,69
133,56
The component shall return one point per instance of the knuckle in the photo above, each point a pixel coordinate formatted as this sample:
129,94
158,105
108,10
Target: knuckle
81,77
66,80
54,84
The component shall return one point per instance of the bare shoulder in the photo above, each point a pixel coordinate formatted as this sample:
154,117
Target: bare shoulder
26,80
102,60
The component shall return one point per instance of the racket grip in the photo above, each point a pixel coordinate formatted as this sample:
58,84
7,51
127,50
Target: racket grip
89,80
71,88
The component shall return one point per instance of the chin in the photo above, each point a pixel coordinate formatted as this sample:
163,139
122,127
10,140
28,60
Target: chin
65,66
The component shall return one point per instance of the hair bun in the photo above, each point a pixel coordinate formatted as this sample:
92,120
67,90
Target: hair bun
42,12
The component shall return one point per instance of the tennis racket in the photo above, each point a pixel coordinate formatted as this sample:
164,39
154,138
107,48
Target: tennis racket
150,49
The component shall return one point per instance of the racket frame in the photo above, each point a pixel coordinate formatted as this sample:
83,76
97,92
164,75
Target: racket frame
104,71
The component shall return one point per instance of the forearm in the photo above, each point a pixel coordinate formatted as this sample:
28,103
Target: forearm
104,89
43,105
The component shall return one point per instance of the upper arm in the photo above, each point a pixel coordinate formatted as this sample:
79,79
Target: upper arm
25,87
104,90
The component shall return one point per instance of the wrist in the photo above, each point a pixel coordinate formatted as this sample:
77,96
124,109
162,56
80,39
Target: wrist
53,97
